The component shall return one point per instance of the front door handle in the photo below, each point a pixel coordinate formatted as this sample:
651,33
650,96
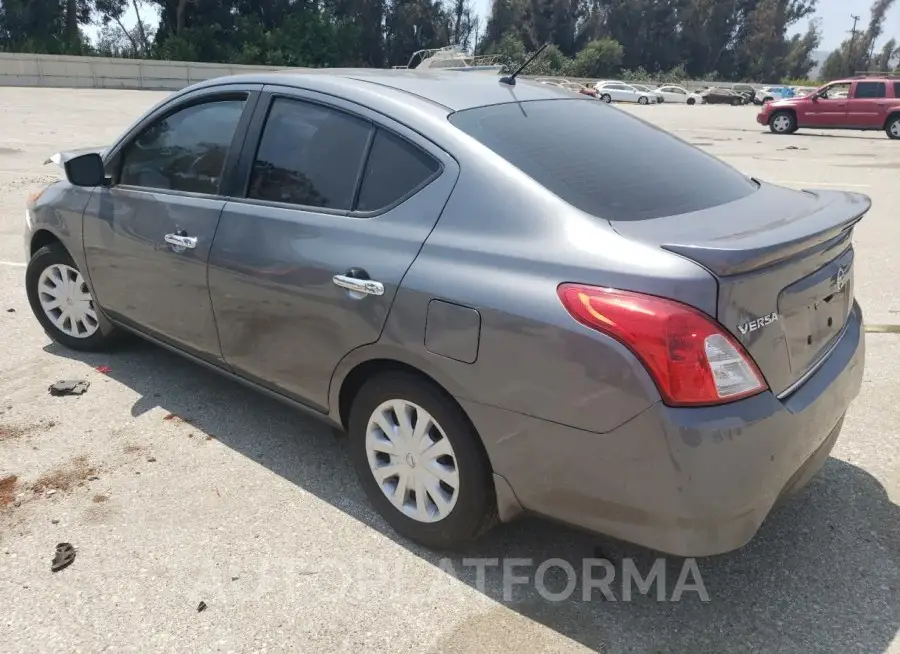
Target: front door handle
180,241
363,286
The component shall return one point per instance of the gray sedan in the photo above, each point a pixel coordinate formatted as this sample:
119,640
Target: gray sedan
512,298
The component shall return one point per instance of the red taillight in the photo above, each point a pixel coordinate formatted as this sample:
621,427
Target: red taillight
690,357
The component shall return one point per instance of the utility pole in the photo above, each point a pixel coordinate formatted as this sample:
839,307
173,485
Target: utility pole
850,70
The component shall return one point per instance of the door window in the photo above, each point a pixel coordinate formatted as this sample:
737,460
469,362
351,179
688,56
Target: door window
185,151
870,90
835,92
395,169
309,155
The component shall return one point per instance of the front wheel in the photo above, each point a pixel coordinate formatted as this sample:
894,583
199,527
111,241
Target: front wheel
691,101
783,122
420,461
606,97
736,102
893,127
643,100
62,302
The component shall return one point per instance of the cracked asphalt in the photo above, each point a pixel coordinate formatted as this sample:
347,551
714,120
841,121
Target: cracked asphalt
176,486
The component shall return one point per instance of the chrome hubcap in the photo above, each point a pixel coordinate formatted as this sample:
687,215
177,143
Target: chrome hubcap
895,128
782,124
67,302
412,461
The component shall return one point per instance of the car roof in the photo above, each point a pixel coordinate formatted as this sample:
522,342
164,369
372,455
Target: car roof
453,90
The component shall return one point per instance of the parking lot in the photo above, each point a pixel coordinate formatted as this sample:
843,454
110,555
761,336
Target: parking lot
178,487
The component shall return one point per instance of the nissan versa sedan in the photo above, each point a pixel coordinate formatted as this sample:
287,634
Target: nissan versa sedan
513,298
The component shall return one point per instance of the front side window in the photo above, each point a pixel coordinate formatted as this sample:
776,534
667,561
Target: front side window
870,90
835,92
185,151
309,155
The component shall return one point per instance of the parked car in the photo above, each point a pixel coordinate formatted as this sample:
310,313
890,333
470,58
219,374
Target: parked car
679,94
643,88
745,90
723,96
772,93
865,103
636,337
621,92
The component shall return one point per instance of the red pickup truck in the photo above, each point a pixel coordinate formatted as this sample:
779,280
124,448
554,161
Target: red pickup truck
861,103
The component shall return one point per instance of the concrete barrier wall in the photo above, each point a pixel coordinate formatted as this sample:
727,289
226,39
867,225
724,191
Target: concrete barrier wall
17,69
106,73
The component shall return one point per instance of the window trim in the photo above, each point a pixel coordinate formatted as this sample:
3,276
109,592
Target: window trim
244,168
250,96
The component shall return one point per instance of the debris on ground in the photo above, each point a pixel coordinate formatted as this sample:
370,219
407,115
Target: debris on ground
201,607
103,369
54,521
174,418
210,437
100,499
10,311
65,554
69,387
65,477
8,489
151,459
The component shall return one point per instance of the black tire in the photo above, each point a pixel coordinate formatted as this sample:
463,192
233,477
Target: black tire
47,256
776,128
475,511
691,101
892,127
643,100
736,102
606,97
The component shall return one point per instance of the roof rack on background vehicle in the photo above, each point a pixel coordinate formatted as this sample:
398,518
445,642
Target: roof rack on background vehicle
876,73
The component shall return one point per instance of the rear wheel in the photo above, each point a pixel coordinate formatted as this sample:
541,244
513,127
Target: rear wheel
62,302
736,102
643,100
691,101
420,461
783,122
606,97
893,127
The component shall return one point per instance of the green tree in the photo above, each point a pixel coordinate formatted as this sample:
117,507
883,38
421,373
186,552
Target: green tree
600,58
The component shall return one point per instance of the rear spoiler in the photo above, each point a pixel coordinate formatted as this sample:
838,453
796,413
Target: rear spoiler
60,158
834,213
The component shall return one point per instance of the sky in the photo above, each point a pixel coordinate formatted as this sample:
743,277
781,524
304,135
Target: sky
834,14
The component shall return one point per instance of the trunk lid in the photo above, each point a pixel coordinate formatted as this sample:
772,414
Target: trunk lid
783,260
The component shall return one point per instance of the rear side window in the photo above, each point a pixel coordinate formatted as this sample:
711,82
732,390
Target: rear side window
870,90
897,89
602,160
309,155
394,170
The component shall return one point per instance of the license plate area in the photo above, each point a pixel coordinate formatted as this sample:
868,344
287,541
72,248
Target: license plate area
815,309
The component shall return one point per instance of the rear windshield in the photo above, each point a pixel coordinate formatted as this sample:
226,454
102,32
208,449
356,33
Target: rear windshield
603,160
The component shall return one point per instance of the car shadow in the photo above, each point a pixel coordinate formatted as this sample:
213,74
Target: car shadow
821,575
863,136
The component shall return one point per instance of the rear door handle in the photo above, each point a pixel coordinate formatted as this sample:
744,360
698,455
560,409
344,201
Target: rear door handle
181,241
364,286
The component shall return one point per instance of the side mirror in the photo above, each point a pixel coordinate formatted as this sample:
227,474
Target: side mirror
85,170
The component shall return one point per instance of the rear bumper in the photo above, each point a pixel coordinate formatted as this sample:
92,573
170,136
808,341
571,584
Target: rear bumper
690,482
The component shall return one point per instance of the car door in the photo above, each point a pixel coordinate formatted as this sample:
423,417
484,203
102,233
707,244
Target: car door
825,109
336,202
147,236
674,94
867,105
